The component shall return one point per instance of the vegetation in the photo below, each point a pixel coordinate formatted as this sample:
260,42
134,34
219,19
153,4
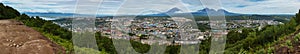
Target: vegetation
246,41
249,41
7,12
280,18
297,18
87,51
54,32
257,39
63,37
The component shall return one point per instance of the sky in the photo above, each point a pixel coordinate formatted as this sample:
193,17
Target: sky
113,7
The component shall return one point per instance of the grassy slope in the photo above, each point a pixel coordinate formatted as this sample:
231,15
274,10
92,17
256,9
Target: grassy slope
286,44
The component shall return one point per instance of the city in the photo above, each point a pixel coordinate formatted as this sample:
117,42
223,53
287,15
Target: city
162,30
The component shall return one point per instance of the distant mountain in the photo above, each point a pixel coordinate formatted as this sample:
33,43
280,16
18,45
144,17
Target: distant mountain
202,12
172,11
52,14
57,14
205,11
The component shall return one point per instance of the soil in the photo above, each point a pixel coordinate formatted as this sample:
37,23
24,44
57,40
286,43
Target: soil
16,38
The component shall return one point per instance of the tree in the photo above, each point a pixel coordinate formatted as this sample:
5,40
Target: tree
293,22
7,12
297,18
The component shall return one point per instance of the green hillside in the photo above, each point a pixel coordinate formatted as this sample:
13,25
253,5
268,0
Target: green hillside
54,32
7,12
264,41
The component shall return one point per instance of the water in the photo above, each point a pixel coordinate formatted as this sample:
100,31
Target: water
49,18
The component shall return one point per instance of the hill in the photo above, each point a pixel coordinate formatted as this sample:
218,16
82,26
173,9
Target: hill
16,38
7,12
201,12
23,34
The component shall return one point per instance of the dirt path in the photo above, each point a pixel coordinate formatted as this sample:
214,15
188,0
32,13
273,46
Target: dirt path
16,38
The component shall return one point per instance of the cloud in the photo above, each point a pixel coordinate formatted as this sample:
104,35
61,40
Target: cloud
133,7
263,7
90,6
41,5
256,0
241,6
111,7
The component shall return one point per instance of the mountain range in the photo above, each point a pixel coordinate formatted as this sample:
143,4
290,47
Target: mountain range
202,12
173,11
51,14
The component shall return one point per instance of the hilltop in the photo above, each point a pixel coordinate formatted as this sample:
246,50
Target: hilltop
16,38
